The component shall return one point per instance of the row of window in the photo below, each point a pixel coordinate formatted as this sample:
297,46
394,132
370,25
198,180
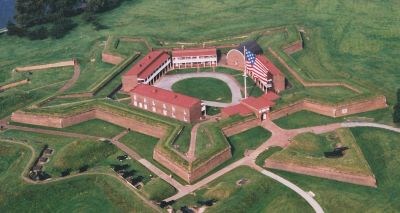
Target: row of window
164,110
192,57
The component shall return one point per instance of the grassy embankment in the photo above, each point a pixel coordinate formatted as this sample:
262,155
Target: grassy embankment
257,194
308,150
83,192
380,149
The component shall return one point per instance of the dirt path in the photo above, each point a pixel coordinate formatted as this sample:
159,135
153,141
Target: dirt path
72,81
45,66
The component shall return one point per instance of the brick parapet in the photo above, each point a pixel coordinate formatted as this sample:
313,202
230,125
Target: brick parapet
323,172
337,110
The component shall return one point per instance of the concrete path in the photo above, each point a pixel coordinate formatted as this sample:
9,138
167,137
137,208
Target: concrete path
367,124
310,200
167,81
280,137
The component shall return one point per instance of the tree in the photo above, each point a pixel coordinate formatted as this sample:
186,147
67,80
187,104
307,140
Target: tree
396,108
398,96
14,29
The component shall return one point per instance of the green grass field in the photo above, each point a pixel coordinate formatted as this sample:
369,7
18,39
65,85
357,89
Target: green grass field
259,194
140,143
337,46
157,189
209,89
84,193
249,139
308,150
380,148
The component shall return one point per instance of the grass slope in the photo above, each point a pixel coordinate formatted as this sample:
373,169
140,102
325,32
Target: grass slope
259,194
381,149
84,193
308,150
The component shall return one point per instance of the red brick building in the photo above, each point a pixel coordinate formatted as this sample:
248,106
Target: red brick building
149,69
235,58
259,106
194,58
167,103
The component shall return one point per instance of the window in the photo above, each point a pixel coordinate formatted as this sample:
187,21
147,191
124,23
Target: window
154,109
145,106
184,112
164,106
184,118
140,105
135,103
173,109
154,103
134,97
165,112
144,100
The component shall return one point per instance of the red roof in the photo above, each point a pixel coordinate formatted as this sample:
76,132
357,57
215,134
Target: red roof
194,52
236,109
270,66
270,96
165,96
257,103
147,65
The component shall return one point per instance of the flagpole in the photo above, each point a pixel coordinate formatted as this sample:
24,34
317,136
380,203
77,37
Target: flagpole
245,72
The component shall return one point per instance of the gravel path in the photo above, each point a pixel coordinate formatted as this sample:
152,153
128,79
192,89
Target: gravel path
167,81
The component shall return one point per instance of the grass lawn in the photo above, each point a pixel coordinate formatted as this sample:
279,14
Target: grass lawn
304,119
209,89
259,194
308,150
381,149
95,127
79,154
140,143
157,189
266,154
84,193
247,140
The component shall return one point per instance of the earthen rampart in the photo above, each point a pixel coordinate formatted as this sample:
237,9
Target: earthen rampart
338,110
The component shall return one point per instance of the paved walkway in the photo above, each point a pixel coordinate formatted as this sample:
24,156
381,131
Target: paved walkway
167,81
280,137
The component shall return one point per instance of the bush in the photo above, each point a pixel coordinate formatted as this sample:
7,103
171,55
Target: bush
39,33
61,28
15,30
396,114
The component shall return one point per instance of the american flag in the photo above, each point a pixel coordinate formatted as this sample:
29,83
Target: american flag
256,67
